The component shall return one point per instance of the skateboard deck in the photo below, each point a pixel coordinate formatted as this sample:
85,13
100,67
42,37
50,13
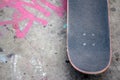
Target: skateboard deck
88,38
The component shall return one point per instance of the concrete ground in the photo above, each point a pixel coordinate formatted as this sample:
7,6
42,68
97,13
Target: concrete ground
41,54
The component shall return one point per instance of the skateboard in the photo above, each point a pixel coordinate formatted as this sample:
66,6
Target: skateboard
88,35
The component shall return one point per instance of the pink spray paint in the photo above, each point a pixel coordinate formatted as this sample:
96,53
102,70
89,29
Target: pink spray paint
21,13
58,9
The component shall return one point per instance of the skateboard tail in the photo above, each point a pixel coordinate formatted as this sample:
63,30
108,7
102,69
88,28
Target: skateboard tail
87,72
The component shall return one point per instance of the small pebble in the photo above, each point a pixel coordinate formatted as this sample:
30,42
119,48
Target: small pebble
67,61
113,9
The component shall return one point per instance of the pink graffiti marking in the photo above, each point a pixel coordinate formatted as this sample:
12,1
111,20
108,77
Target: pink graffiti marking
58,9
21,13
